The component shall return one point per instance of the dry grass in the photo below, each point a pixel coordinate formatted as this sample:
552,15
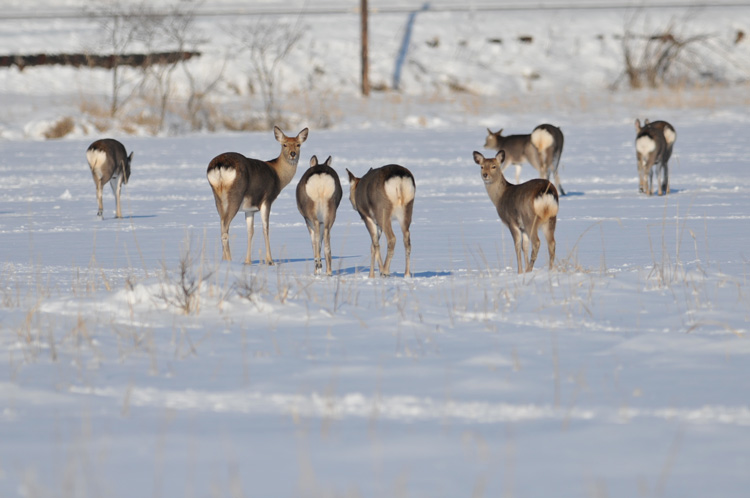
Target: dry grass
63,127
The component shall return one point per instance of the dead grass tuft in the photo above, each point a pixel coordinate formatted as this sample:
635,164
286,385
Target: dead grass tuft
64,126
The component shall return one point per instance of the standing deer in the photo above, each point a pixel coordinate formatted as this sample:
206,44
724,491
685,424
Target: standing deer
653,147
379,196
541,148
109,162
250,185
318,196
524,208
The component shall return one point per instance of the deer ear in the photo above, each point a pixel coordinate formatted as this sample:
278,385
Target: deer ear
637,125
302,136
313,161
500,156
328,161
478,158
130,157
278,134
351,176
489,132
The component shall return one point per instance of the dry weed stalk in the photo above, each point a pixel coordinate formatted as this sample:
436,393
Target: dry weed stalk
183,291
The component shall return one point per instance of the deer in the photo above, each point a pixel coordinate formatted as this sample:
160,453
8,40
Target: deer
524,208
318,197
381,195
541,148
653,148
109,162
251,185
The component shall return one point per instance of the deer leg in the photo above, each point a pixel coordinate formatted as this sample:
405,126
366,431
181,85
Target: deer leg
375,246
265,213
557,182
314,228
641,178
659,174
311,231
665,178
116,184
407,246
517,242
649,180
525,247
518,172
535,243
98,183
226,254
250,223
327,248
548,229
391,239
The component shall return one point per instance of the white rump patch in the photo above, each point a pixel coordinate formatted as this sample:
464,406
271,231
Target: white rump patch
320,188
669,135
542,139
545,206
399,190
221,178
96,159
645,145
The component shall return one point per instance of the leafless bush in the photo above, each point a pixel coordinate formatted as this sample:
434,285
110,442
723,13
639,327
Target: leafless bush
251,287
664,56
175,27
182,289
172,27
121,22
268,44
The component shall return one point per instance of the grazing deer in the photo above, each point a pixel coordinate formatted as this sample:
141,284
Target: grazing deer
653,147
541,148
548,141
109,162
524,208
518,149
250,185
379,196
318,196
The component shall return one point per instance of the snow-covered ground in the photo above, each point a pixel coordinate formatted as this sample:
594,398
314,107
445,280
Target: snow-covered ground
621,373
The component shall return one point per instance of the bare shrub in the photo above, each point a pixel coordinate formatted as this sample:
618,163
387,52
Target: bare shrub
171,27
667,56
175,28
121,22
181,289
63,126
268,44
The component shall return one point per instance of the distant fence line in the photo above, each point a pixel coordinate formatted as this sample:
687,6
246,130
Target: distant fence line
328,10
92,60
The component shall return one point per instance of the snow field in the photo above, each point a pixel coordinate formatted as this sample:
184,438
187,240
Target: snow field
624,359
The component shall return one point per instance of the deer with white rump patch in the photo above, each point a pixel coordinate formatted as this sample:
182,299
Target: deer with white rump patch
523,208
653,148
318,196
109,162
381,195
250,185
541,148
